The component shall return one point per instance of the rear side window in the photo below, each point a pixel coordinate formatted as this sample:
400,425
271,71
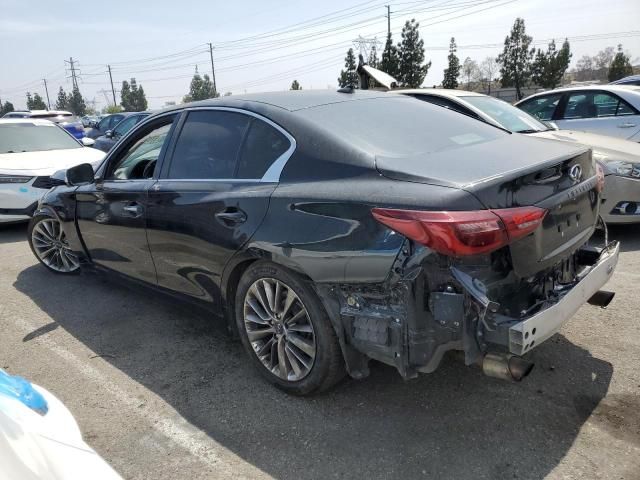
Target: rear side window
542,108
446,103
595,105
208,145
263,146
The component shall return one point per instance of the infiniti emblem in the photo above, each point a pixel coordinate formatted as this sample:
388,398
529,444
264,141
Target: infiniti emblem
575,173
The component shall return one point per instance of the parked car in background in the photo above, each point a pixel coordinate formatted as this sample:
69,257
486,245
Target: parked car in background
332,228
106,123
40,439
89,121
109,139
612,110
621,158
63,118
630,80
31,150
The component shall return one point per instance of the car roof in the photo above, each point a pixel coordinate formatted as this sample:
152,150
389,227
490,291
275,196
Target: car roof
292,100
442,92
621,81
610,88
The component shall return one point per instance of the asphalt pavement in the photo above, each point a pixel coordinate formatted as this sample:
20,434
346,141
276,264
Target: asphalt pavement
161,391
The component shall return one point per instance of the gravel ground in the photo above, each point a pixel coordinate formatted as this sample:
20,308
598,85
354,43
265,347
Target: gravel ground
161,392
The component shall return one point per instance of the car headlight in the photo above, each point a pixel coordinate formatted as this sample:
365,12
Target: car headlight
625,169
14,179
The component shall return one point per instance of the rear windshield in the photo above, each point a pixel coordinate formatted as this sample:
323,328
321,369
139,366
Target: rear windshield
34,137
400,125
55,117
508,116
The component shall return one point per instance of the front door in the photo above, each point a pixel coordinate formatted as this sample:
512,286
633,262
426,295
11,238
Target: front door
111,213
212,196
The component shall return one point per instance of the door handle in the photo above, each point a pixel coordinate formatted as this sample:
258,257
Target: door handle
626,125
231,216
135,210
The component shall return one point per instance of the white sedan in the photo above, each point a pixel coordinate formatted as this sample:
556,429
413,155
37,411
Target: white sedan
30,152
620,158
612,110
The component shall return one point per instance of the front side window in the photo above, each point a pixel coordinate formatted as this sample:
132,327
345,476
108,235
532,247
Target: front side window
138,160
208,145
542,108
263,146
125,125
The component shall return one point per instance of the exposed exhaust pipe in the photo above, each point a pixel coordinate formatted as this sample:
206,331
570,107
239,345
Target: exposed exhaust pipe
601,298
506,366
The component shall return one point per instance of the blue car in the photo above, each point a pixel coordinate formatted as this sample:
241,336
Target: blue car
63,118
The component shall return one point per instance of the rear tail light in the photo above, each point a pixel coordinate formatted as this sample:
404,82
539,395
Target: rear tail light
463,233
600,176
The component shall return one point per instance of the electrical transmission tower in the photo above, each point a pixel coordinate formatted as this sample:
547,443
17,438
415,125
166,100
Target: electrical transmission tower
364,45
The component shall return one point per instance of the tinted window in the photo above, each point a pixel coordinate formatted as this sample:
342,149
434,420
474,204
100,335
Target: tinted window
138,161
125,125
208,145
399,125
595,105
542,108
263,145
114,120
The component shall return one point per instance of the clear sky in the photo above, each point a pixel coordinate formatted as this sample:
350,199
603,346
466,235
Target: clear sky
265,45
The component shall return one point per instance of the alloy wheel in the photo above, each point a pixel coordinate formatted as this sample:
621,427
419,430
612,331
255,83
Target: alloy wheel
279,329
50,244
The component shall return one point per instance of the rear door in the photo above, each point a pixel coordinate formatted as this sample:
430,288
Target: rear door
111,213
600,112
212,195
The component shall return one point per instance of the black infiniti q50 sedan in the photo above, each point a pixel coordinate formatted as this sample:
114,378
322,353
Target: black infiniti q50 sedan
332,228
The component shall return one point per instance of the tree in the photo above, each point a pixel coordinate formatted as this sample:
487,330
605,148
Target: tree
75,102
35,102
132,97
112,109
549,67
390,59
470,71
349,77
585,68
516,57
620,66
6,108
488,68
200,88
603,59
411,71
62,103
452,72
373,59
295,85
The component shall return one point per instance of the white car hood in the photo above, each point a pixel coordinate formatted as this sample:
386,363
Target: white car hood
47,162
604,148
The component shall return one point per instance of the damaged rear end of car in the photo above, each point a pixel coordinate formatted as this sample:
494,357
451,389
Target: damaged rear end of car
493,283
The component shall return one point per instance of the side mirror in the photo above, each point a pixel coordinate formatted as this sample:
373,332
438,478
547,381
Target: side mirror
87,142
80,175
108,134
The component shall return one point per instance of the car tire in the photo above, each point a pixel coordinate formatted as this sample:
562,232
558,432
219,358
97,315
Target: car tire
298,319
48,243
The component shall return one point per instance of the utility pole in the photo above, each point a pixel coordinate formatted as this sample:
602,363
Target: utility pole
113,90
47,91
74,81
213,70
388,19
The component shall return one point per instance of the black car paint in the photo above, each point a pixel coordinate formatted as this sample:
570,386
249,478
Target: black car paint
316,221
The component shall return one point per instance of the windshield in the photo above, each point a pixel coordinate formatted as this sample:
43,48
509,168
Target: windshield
34,137
507,116
400,125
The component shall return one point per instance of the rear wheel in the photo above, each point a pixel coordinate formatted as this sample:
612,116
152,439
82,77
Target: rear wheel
285,330
49,244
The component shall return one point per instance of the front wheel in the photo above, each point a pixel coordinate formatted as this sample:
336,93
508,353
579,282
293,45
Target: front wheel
48,243
286,331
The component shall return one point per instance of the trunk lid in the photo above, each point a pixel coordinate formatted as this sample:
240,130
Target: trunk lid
518,171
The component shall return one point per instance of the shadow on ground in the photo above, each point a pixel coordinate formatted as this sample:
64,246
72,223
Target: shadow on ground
13,232
454,423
